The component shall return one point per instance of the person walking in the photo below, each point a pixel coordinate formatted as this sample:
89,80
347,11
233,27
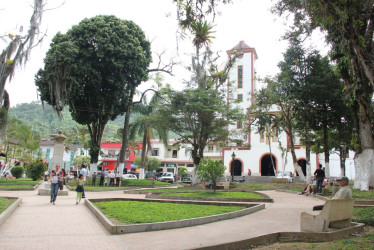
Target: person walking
83,172
118,179
54,186
94,179
80,182
111,177
102,176
320,176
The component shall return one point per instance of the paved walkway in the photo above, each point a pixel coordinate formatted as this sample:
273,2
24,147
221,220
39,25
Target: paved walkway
37,224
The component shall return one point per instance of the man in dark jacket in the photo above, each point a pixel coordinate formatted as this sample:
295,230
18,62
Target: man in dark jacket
94,179
102,176
320,176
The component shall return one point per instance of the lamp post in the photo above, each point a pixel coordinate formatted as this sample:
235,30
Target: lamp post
232,165
342,157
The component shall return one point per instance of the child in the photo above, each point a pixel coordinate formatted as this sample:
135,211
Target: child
80,181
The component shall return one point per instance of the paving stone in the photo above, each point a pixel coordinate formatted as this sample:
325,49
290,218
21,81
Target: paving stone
37,224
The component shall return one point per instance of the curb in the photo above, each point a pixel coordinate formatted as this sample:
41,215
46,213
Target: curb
146,227
285,237
5,215
165,197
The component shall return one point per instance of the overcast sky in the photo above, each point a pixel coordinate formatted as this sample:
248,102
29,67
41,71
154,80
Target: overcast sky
248,20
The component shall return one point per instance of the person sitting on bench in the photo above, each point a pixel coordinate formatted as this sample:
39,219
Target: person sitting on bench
344,192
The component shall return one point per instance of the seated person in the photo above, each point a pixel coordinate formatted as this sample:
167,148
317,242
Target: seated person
310,187
325,183
344,192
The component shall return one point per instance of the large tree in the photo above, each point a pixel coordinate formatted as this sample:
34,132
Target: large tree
199,113
94,68
349,28
16,53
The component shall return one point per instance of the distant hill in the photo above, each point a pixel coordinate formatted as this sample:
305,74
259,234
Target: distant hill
46,122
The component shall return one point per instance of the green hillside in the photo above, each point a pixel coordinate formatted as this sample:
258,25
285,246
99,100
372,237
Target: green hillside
46,122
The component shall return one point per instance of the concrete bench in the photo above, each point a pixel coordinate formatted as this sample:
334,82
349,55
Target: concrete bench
223,185
279,180
334,215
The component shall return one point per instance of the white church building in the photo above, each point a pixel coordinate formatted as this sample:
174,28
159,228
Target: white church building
254,155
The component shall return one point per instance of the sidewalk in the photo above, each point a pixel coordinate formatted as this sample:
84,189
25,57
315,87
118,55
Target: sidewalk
37,224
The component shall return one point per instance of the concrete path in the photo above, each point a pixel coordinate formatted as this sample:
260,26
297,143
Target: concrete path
37,224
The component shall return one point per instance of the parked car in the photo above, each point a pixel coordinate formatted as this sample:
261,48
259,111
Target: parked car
287,175
151,175
167,177
129,176
187,178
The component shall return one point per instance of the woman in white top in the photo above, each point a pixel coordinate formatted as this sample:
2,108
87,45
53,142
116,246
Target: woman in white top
54,186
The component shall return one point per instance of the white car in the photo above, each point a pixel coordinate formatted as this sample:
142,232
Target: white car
167,177
286,175
129,176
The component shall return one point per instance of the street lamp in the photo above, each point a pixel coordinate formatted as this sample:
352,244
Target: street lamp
232,165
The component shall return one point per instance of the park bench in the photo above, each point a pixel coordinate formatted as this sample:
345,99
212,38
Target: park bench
223,185
334,215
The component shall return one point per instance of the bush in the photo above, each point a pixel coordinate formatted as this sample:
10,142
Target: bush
211,171
36,169
17,171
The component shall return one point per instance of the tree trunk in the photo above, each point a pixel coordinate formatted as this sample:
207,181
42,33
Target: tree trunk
365,60
307,153
122,154
144,149
271,156
326,151
294,158
364,161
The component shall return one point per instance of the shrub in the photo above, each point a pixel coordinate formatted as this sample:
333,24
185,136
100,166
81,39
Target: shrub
17,171
36,169
211,171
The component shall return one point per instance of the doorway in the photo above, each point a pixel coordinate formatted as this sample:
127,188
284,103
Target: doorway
267,166
236,168
302,164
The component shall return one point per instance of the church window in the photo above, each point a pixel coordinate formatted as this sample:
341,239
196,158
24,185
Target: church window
240,97
239,124
240,77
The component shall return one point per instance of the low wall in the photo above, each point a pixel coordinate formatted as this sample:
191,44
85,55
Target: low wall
145,227
288,237
157,196
5,215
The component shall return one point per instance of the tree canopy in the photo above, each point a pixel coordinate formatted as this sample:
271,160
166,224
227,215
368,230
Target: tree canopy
93,69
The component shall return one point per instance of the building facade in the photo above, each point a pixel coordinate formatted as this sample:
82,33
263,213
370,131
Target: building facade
253,151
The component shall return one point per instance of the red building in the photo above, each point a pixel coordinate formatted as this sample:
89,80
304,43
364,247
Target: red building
110,154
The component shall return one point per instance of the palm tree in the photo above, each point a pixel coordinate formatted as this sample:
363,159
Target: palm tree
147,124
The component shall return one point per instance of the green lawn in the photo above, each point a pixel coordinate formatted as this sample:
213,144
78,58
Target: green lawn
364,215
31,187
5,203
141,183
20,180
368,195
124,183
136,212
239,195
363,242
168,190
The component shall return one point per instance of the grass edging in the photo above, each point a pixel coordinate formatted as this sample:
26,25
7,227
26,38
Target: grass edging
146,227
283,237
157,196
357,203
5,215
19,189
